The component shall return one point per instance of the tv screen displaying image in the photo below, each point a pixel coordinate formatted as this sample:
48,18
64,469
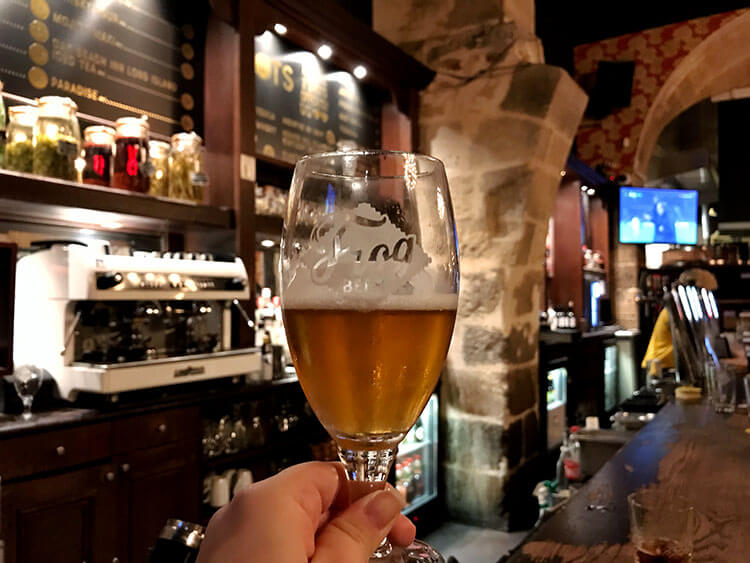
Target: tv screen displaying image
663,215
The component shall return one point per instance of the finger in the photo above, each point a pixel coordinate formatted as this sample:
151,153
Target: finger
403,532
355,533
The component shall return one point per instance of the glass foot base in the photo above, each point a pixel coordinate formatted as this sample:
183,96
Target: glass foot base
418,552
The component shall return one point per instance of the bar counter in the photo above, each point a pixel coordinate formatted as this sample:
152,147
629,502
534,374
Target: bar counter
686,450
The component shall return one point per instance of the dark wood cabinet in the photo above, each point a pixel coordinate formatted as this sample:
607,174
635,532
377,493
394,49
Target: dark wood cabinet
99,492
154,485
66,518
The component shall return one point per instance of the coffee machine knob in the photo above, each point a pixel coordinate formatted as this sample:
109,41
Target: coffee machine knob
108,280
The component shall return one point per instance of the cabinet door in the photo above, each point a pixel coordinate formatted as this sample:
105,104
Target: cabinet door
155,484
67,518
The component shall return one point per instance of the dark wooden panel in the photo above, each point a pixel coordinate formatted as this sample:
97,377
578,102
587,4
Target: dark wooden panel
28,455
599,221
159,428
67,518
159,483
48,196
7,293
567,283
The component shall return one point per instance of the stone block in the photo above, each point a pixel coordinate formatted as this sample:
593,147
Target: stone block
522,389
482,345
531,445
474,13
506,190
513,443
480,293
480,392
526,292
521,344
532,89
508,138
475,496
567,106
473,441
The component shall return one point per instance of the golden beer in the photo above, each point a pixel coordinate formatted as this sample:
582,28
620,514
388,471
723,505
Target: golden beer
368,374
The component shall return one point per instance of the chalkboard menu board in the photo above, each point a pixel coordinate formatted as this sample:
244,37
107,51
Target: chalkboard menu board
115,58
301,107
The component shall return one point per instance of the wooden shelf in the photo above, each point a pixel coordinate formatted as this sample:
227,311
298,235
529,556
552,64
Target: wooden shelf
273,171
28,197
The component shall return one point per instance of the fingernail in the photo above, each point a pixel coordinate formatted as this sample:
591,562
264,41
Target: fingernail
383,507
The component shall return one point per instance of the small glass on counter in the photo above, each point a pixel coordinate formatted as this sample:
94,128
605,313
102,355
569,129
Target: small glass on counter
19,149
97,152
57,138
662,526
187,178
159,181
131,166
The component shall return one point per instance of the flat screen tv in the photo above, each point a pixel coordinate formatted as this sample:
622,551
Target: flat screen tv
658,215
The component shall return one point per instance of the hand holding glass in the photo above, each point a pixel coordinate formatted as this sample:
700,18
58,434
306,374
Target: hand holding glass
369,290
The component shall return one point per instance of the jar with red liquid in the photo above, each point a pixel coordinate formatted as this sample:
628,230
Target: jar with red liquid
130,170
97,152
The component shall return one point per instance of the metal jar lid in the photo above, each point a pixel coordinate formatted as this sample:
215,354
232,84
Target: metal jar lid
185,533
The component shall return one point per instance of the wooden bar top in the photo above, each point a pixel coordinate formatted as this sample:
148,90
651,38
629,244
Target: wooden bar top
687,450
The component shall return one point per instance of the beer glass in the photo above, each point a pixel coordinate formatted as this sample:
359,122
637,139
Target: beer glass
369,289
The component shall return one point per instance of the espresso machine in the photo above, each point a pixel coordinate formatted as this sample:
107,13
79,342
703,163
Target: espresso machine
108,324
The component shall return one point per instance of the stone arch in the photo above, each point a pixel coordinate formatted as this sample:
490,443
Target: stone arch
718,64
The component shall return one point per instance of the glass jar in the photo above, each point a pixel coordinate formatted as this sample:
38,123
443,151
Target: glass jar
159,181
187,179
57,138
19,149
2,125
97,152
131,164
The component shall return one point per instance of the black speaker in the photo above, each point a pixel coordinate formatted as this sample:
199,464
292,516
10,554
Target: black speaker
612,88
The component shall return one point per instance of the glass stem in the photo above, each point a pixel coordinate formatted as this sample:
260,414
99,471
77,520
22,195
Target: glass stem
27,401
367,471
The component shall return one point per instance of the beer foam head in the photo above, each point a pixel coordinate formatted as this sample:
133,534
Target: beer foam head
319,298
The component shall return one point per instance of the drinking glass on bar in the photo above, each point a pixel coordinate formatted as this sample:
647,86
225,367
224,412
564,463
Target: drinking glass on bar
369,290
662,527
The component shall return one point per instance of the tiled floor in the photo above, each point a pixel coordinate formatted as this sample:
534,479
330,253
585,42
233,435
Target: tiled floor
470,544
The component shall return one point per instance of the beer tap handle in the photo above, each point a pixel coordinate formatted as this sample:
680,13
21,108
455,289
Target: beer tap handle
244,314
71,332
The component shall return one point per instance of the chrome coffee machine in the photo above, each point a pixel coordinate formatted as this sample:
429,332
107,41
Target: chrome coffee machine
107,324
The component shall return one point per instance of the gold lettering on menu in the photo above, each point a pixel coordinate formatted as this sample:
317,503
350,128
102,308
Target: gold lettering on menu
281,74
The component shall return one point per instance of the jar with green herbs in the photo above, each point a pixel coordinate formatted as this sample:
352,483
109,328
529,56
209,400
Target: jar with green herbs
57,138
187,178
19,148
158,151
2,125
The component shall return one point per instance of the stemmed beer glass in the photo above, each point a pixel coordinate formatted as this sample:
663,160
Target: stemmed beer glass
369,290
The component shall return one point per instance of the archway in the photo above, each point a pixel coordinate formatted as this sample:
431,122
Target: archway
719,64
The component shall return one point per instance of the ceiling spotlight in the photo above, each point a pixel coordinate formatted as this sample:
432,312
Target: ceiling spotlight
267,243
360,71
562,172
325,52
591,191
279,28
584,187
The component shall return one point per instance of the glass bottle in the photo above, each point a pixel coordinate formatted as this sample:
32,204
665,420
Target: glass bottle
57,138
159,181
19,150
97,152
187,178
130,170
2,125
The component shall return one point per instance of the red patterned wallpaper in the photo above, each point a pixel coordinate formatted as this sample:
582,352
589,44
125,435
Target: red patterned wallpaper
656,53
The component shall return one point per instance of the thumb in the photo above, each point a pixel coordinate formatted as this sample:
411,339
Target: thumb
355,533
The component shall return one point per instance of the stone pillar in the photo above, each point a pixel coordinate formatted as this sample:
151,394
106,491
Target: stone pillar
503,125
